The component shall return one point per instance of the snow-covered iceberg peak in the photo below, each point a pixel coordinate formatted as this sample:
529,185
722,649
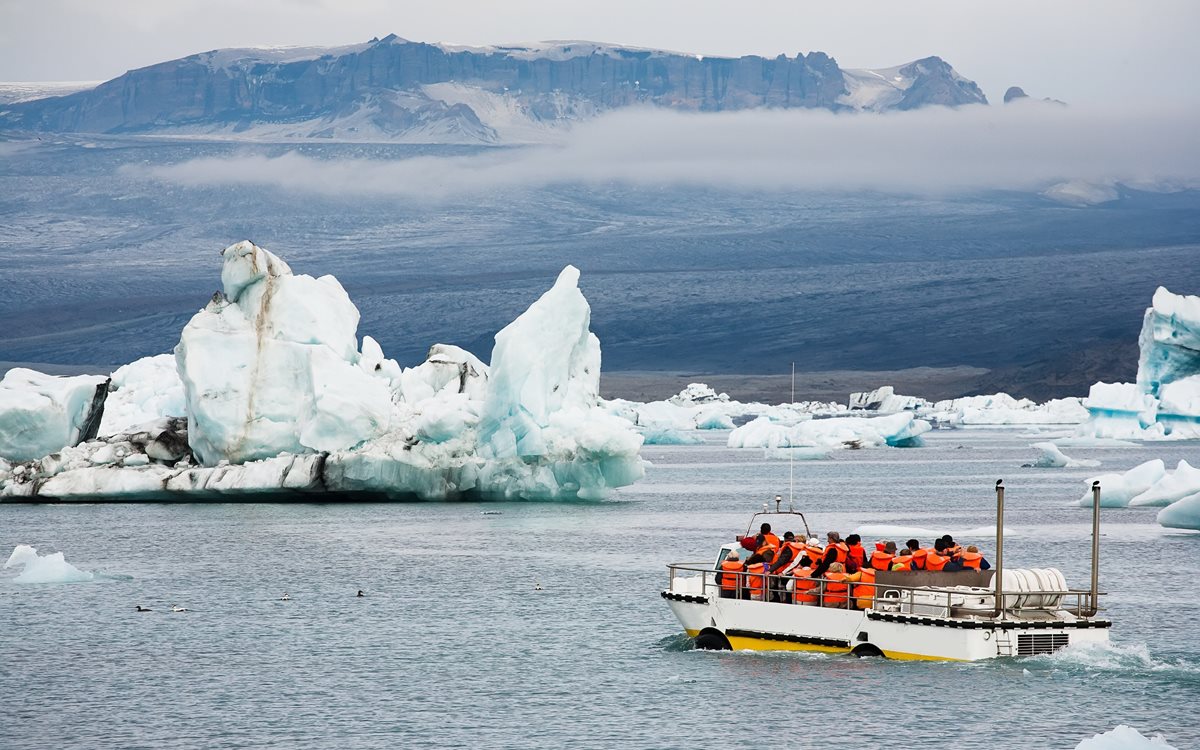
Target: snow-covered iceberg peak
270,366
545,361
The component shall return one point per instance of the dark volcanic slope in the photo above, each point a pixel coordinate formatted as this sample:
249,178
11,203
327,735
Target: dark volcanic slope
385,76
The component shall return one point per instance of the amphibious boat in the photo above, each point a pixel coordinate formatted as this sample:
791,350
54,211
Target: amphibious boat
954,616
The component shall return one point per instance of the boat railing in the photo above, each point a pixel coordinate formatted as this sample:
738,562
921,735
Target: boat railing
772,588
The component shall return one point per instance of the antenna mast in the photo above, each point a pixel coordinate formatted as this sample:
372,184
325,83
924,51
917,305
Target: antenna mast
791,448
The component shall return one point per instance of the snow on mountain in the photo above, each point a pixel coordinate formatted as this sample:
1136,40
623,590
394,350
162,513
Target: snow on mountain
398,90
12,92
929,81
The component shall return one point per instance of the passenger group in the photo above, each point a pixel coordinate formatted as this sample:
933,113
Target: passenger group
841,574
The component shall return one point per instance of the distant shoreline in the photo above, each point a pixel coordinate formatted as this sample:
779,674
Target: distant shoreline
932,383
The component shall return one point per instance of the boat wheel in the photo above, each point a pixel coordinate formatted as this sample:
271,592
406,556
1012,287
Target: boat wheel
711,639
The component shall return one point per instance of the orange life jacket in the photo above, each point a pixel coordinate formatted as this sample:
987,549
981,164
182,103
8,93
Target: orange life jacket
804,586
796,548
770,541
934,561
843,552
954,552
755,582
857,555
918,558
865,594
731,568
815,553
881,560
835,589
902,563
971,560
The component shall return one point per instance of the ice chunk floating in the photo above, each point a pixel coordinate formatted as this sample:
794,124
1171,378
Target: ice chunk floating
1050,457
279,398
52,568
1124,737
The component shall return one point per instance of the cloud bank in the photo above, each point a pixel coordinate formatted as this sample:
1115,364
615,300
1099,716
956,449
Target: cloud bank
1026,146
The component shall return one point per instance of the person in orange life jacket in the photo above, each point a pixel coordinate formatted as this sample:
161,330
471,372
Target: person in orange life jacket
789,553
836,586
952,549
936,559
903,561
785,558
727,579
813,551
973,560
918,554
863,590
836,551
855,554
758,564
804,586
789,558
882,557
766,539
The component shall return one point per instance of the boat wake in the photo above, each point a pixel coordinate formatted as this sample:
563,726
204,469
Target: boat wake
1110,657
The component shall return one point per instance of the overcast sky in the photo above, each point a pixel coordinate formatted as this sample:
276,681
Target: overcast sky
1082,51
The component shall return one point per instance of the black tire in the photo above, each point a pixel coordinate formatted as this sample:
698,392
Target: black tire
866,649
711,639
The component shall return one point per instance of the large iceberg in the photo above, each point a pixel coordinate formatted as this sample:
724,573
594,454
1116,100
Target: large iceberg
1164,403
279,398
270,366
41,414
896,430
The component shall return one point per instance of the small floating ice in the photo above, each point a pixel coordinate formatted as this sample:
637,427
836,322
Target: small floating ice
890,531
1116,490
1124,737
1174,486
51,568
1050,457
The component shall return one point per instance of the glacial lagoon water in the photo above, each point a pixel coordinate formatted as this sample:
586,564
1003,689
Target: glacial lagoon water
103,263
453,647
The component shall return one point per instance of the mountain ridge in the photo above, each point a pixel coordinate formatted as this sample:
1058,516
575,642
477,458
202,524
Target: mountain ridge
395,89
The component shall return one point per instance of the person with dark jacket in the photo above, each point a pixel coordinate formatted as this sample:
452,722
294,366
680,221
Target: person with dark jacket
836,551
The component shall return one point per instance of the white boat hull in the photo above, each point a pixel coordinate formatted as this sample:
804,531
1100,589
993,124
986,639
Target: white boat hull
766,626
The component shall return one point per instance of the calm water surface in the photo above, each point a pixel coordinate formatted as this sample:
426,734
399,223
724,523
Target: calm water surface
452,647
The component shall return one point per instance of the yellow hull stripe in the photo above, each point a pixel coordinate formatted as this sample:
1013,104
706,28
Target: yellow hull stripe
742,643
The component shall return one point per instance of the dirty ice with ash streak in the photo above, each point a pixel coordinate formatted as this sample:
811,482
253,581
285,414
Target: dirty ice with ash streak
279,397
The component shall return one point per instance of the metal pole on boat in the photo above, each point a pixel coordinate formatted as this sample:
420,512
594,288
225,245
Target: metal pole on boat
999,574
791,449
1094,604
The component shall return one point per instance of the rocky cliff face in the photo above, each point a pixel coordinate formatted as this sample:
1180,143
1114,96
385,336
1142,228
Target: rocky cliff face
395,88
